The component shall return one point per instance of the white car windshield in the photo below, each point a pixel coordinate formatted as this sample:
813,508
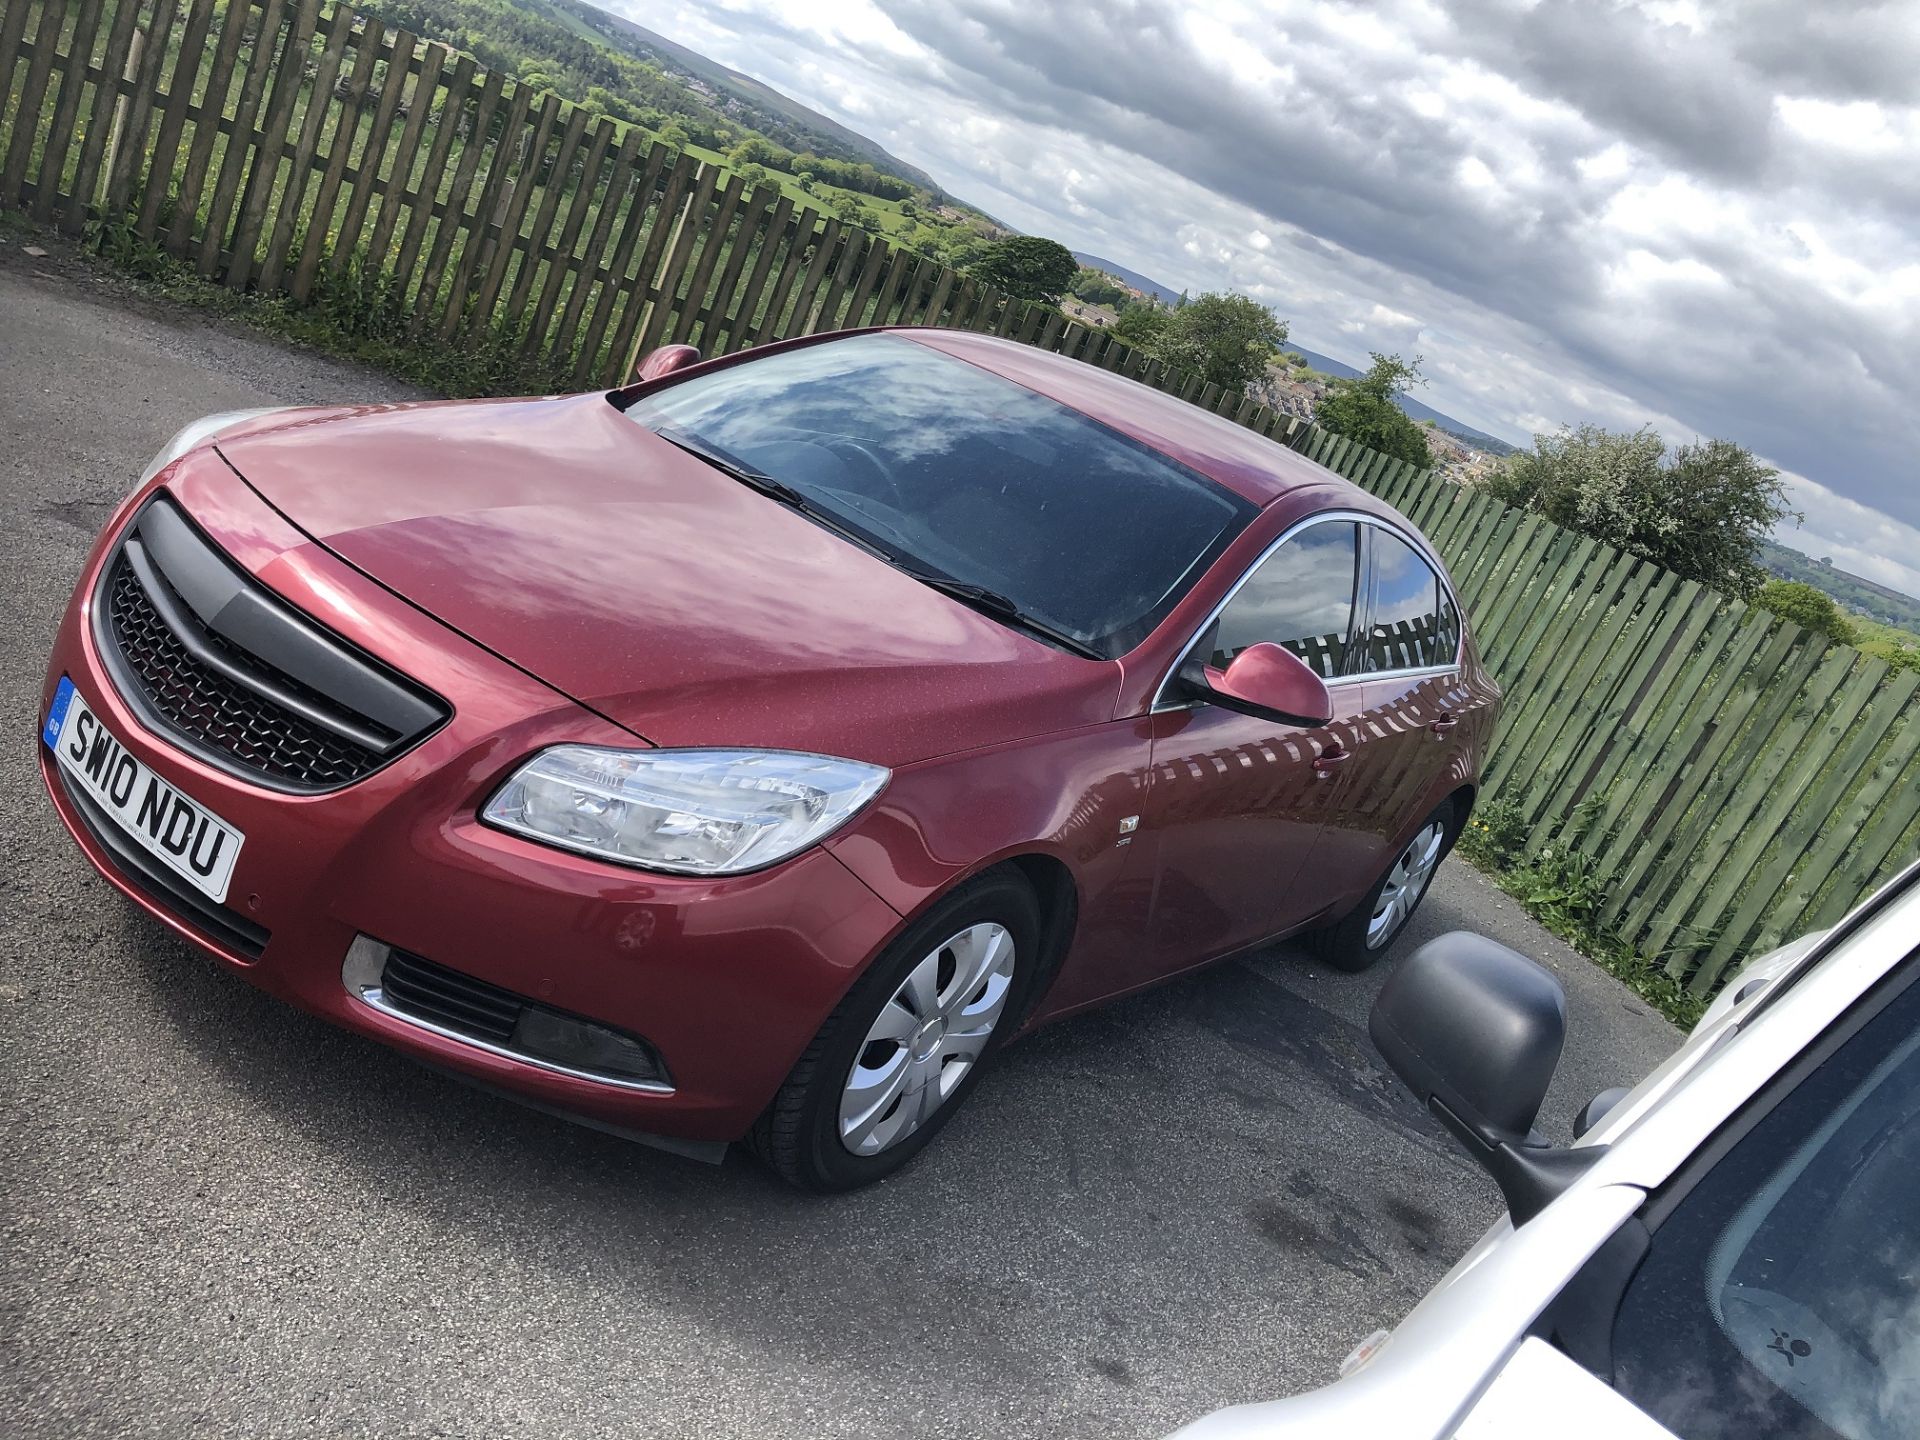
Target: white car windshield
1782,1295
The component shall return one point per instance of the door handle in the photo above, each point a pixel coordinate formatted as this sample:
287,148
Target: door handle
1328,760
1445,723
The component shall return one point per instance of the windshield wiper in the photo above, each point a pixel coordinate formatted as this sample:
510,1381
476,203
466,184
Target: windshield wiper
773,489
992,602
727,465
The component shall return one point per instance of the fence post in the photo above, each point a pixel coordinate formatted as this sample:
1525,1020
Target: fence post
135,52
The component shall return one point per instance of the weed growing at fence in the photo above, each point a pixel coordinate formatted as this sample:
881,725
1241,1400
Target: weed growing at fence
1566,892
355,314
1494,835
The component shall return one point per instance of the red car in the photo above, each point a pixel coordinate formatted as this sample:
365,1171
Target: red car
741,753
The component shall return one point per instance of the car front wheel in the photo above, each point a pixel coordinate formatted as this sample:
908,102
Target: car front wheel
899,1054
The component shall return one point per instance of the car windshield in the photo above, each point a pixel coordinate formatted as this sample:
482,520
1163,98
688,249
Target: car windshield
1779,1298
958,474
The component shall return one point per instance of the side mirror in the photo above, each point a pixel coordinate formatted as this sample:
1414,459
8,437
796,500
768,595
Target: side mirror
1475,1031
1269,681
664,361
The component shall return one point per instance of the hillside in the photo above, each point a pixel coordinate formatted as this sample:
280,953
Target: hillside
755,106
1325,364
642,80
1853,592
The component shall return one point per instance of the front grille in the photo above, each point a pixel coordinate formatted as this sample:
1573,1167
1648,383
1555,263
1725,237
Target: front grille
449,999
218,712
237,675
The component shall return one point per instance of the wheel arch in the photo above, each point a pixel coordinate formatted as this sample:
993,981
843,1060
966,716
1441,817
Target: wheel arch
1466,797
1059,896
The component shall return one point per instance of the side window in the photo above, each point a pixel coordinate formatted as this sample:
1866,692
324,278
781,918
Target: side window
1300,597
1778,1297
1407,620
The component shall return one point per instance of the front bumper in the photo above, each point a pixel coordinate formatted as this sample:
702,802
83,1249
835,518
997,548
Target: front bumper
728,978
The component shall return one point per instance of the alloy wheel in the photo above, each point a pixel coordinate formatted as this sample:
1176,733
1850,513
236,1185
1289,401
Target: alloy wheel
929,1034
1406,883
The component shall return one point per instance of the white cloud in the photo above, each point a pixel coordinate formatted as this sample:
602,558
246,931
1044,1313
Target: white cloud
1696,213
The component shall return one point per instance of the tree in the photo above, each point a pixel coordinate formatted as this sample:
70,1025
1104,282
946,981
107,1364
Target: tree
1096,287
1807,607
675,135
1366,409
1027,267
1143,326
1700,510
1226,339
960,249
806,180
756,176
758,150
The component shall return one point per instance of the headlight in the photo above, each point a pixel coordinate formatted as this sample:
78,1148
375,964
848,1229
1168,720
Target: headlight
204,428
694,812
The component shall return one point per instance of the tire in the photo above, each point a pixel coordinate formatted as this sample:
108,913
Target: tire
906,1036
1352,943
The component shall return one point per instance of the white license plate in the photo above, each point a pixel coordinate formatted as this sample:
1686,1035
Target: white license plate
181,833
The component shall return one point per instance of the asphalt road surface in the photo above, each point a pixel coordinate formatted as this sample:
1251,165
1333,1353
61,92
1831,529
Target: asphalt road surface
219,1215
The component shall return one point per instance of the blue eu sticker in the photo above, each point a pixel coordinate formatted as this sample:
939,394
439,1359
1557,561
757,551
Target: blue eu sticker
57,712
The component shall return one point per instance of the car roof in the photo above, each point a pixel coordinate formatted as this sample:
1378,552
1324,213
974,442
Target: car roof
1251,466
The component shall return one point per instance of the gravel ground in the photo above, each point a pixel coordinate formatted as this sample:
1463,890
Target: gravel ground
219,1215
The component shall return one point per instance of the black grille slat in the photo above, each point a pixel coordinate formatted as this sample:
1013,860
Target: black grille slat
214,710
452,1001
427,973
433,1009
411,992
239,711
447,998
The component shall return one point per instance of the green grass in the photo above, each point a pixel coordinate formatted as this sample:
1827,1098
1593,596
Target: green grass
1562,889
894,226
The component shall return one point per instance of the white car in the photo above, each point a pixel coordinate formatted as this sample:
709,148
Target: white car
1730,1250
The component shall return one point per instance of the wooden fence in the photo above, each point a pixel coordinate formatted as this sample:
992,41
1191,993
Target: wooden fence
1733,778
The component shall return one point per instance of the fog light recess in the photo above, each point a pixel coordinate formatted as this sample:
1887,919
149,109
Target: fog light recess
582,1045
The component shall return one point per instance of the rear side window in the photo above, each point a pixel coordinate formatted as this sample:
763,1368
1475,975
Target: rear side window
1300,597
1409,620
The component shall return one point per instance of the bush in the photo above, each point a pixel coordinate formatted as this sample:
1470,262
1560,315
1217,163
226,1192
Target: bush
1143,327
1700,511
1495,834
1367,410
1807,607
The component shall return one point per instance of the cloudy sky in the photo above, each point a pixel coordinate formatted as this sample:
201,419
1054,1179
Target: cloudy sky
1703,214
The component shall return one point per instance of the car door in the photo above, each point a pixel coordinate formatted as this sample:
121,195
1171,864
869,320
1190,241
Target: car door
1401,696
1237,802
